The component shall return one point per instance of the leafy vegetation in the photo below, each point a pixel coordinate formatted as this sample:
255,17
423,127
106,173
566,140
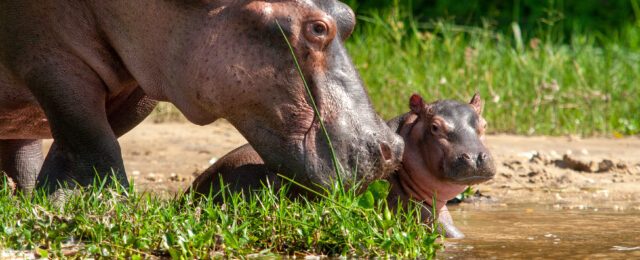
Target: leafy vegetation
117,223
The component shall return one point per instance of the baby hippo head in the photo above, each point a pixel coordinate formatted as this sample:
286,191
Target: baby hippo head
450,138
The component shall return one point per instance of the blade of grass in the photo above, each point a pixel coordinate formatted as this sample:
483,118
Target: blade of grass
334,159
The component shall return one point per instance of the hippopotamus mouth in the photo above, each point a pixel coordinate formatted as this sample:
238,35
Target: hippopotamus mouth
472,180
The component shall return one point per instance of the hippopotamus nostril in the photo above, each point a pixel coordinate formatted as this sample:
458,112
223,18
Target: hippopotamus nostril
386,153
466,157
482,157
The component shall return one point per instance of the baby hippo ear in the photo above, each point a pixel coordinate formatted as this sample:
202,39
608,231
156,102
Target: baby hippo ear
476,103
416,104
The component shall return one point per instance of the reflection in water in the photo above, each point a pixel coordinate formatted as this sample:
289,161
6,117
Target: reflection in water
538,231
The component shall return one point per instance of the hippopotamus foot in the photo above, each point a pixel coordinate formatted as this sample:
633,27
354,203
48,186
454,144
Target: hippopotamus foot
21,161
66,170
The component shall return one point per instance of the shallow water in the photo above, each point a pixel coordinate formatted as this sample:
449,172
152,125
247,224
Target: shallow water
529,231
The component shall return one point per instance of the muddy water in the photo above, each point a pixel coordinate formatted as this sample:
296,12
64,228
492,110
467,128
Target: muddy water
530,231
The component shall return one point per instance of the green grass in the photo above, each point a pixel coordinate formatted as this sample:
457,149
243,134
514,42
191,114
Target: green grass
105,223
530,87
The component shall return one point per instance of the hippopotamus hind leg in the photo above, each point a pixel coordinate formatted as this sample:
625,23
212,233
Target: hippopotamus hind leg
21,161
131,112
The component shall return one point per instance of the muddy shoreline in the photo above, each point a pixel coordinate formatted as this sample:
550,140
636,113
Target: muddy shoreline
163,158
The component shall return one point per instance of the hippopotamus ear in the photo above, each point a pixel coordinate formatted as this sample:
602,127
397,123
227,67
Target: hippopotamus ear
476,103
416,104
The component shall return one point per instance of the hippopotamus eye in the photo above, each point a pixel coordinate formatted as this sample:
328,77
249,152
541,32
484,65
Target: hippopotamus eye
319,28
435,128
320,32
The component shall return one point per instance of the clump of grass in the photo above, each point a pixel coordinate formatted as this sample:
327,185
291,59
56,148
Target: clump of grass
117,223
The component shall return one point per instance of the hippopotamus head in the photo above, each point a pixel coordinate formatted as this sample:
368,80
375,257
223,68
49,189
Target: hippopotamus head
444,149
247,74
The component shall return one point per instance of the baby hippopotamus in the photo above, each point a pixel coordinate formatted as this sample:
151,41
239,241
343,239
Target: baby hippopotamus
443,154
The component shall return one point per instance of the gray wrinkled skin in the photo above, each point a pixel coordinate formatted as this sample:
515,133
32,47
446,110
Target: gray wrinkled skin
85,72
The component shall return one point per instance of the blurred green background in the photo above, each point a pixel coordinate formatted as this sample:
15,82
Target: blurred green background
543,67
560,19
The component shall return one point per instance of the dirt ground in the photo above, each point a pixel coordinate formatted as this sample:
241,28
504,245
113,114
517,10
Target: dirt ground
164,158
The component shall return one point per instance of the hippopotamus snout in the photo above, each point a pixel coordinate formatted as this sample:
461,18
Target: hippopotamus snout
472,168
387,151
369,153
390,156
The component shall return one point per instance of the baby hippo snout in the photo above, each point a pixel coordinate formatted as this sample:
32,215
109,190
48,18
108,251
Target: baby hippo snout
474,167
475,161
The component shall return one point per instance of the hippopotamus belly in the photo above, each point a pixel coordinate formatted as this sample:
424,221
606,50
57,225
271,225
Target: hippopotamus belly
25,123
20,115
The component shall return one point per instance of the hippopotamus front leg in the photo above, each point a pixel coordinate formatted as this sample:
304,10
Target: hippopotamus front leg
446,226
73,98
443,223
21,160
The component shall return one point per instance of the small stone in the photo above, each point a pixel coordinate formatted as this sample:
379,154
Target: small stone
152,177
535,171
528,154
622,166
605,165
176,178
513,164
577,165
539,158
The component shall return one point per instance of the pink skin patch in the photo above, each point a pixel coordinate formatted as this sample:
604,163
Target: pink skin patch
427,187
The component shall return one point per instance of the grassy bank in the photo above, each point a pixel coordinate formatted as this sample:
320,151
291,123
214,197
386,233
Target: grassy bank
530,87
105,224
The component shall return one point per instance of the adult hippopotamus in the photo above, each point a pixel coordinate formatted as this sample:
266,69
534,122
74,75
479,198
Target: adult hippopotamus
86,72
444,153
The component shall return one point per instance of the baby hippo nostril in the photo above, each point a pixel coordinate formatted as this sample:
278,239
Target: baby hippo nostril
482,157
467,160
